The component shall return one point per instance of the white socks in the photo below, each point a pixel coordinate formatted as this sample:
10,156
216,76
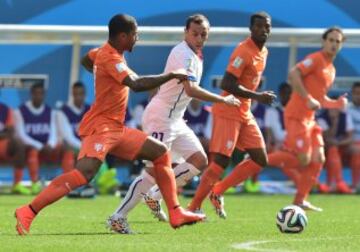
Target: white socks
140,186
184,172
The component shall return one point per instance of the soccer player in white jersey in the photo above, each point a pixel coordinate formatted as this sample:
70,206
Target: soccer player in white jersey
163,119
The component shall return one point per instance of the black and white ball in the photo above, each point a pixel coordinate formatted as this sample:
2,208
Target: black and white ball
291,219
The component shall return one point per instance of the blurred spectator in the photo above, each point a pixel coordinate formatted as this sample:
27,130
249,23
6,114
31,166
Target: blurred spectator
12,149
274,120
35,124
69,117
338,130
198,117
354,110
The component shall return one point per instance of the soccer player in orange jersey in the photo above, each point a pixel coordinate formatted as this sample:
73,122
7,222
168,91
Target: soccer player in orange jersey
235,127
103,131
310,80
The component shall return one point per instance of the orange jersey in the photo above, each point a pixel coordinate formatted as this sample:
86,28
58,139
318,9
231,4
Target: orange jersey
247,64
318,74
107,113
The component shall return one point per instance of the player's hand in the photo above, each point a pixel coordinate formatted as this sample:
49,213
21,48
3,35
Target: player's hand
266,97
180,74
232,101
343,101
312,103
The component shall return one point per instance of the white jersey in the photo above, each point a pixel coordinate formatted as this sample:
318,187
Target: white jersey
354,112
171,100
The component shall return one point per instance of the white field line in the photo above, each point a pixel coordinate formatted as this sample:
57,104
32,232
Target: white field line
252,245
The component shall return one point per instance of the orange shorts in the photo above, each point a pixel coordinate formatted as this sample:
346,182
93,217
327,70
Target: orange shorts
124,143
3,149
228,134
302,136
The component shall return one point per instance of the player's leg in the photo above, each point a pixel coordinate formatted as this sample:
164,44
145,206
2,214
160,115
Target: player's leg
252,141
139,145
13,150
142,184
67,158
222,144
33,163
92,153
355,165
315,157
287,162
187,146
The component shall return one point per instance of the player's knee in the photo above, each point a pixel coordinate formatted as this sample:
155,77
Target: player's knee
199,160
88,167
262,160
221,160
161,149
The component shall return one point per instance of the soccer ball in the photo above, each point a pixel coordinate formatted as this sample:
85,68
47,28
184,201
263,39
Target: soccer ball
291,219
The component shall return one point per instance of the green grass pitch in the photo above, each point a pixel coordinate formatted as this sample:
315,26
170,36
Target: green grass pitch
78,225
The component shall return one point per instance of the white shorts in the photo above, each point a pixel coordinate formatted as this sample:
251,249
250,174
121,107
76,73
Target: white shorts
176,135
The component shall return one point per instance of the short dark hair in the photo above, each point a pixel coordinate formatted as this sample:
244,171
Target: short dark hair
78,84
355,85
37,85
121,23
197,19
331,29
261,14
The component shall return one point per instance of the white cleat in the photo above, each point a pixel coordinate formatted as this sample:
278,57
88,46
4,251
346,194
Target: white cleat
307,206
155,207
118,225
218,202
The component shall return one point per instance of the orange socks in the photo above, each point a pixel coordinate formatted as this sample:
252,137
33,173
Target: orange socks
18,174
211,175
333,165
33,164
287,162
68,161
355,169
57,189
165,179
241,172
308,178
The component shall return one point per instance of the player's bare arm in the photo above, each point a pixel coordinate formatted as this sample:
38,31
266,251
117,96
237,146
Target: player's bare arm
229,84
148,82
197,92
296,82
339,103
87,63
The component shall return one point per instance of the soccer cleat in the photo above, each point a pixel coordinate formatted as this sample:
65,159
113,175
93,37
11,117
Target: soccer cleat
155,207
24,217
180,217
342,187
118,225
36,187
307,206
218,202
21,189
323,188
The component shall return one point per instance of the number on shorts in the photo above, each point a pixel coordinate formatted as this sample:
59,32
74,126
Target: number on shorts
158,135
